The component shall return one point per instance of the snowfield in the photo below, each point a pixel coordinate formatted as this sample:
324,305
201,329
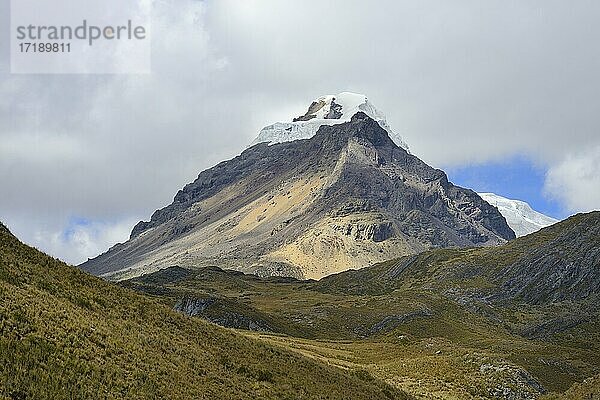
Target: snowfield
519,215
325,110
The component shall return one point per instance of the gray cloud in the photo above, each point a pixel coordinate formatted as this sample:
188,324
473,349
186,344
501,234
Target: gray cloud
464,82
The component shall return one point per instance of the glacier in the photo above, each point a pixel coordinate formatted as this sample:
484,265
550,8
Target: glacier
326,110
519,215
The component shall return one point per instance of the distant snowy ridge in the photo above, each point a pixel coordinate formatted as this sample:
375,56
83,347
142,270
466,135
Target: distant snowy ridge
519,215
326,110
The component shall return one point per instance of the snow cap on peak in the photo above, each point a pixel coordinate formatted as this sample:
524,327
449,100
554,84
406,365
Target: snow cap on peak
519,215
325,110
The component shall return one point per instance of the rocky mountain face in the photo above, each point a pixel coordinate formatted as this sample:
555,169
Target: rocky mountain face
559,263
345,198
519,215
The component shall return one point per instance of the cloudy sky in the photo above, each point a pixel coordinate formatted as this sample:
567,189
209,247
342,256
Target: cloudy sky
503,95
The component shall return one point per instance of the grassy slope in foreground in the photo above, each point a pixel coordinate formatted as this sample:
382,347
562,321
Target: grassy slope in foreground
588,389
64,333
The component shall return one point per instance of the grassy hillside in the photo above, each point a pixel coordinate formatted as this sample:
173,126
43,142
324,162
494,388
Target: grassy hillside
65,334
418,340
587,390
520,320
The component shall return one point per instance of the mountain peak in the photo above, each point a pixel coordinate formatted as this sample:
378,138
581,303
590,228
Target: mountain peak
341,106
344,198
326,110
520,216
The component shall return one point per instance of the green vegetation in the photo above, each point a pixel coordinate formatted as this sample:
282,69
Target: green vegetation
446,349
587,390
449,323
65,334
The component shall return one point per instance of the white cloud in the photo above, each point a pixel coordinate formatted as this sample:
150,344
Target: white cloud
71,239
79,240
575,180
75,240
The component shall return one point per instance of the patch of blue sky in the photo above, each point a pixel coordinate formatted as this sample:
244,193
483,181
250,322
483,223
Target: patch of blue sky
516,178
